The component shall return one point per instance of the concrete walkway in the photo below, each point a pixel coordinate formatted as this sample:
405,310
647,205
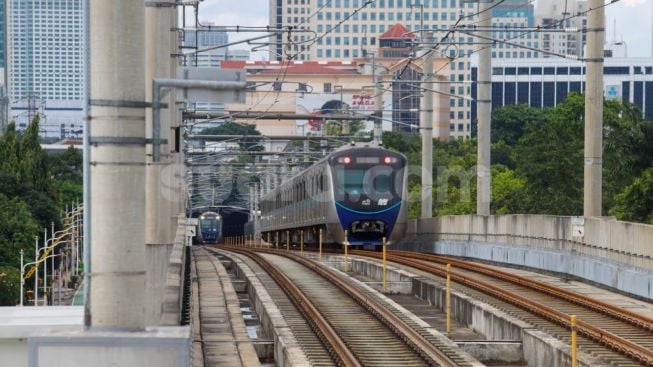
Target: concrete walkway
219,336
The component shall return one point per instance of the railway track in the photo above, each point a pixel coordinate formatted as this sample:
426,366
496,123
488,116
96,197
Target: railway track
615,335
310,343
354,326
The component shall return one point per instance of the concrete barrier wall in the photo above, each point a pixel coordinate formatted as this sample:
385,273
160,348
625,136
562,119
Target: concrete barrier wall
611,253
172,297
623,242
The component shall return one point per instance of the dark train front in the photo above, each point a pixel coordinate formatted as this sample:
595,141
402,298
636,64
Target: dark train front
210,228
369,186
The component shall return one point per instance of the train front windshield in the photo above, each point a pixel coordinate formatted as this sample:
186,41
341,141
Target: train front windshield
209,225
368,183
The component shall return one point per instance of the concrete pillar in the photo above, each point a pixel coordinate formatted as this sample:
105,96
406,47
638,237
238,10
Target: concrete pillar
159,238
593,170
426,123
177,173
116,123
484,103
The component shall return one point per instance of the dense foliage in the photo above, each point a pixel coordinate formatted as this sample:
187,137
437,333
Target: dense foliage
537,157
34,189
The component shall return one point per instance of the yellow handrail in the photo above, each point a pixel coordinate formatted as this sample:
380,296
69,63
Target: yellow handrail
45,254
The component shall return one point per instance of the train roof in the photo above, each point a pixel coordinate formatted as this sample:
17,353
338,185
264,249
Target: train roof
323,160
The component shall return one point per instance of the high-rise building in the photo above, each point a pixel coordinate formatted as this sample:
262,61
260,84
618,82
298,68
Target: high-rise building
545,82
562,15
349,29
207,37
3,34
510,20
4,100
47,67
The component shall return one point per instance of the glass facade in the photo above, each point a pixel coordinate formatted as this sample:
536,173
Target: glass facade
47,73
546,86
3,29
48,59
406,101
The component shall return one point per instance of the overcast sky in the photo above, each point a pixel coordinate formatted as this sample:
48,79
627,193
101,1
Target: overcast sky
634,20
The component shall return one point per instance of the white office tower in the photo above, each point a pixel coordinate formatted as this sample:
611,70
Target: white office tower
350,29
47,67
562,15
209,43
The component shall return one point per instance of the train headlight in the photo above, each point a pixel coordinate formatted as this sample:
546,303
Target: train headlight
390,160
345,160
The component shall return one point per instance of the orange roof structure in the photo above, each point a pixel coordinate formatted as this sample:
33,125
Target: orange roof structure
397,31
293,67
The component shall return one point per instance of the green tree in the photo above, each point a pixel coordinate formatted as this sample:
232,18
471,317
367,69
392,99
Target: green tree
232,128
395,141
67,166
335,128
508,191
10,151
9,286
34,167
627,150
550,157
17,231
68,192
509,123
635,202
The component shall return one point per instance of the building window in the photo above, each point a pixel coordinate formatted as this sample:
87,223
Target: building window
302,87
276,86
616,70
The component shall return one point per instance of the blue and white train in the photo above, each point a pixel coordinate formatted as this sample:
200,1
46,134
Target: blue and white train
360,190
210,227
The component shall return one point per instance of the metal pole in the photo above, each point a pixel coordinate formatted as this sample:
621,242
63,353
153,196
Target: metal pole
320,244
45,262
51,294
484,103
385,275
301,242
378,103
277,240
22,275
426,122
287,240
448,301
36,274
73,244
59,289
346,244
116,119
574,347
593,169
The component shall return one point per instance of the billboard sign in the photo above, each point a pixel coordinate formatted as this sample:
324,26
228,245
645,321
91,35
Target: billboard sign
361,103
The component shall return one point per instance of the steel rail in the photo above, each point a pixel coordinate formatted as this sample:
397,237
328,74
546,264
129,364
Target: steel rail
579,299
603,337
335,346
423,347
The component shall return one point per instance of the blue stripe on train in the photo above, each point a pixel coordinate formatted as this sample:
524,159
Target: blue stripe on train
348,215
